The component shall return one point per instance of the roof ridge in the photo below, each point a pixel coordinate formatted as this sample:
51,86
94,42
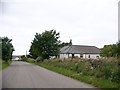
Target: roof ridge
80,49
84,45
67,47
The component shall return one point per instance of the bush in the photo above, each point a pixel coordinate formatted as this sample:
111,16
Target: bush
30,60
23,58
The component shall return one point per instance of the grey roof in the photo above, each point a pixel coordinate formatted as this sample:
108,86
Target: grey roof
79,49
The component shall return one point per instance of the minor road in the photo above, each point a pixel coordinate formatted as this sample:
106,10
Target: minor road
24,75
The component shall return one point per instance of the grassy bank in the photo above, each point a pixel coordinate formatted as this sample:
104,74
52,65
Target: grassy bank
4,64
105,75
101,83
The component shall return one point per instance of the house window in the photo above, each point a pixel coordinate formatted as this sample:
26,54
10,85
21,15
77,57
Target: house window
89,56
72,55
81,55
97,57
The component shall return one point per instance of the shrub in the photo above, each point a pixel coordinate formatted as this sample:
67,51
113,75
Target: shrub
30,60
23,58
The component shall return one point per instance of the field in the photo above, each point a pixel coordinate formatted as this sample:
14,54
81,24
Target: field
104,73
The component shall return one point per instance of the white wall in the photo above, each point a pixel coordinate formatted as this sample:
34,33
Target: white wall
62,56
85,56
92,56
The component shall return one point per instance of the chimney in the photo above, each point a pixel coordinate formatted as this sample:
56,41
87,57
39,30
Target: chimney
118,21
70,43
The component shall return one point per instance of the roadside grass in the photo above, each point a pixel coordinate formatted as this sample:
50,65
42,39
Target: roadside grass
100,83
106,76
4,64
0,65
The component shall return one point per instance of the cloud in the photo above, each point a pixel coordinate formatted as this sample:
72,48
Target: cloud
91,22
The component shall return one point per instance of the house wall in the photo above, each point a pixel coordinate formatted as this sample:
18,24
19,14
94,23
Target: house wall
85,56
92,56
62,56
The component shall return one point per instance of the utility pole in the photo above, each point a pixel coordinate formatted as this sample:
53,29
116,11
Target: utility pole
26,54
0,51
118,21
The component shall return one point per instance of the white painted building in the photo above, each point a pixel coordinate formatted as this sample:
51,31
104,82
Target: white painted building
80,51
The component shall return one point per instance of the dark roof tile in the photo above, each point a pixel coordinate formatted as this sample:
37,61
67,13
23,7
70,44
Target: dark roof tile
79,49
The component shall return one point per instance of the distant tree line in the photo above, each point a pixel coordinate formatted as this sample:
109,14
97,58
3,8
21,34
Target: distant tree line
112,50
6,48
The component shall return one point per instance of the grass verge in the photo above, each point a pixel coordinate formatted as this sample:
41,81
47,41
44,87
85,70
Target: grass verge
64,69
100,83
4,64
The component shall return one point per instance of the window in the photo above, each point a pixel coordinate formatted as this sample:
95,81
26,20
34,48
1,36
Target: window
97,57
72,55
89,56
81,55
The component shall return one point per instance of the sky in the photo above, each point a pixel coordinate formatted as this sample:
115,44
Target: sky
86,22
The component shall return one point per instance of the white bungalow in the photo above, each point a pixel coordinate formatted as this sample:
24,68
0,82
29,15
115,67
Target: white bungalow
80,51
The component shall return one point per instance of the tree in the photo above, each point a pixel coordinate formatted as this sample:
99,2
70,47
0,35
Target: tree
111,50
63,44
45,45
7,49
118,50
107,50
33,51
23,58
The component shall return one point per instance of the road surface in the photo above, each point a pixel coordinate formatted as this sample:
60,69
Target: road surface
24,75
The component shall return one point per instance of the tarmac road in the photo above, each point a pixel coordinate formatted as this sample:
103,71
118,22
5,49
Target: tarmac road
24,75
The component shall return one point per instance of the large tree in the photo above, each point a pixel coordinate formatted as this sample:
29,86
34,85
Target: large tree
45,45
7,48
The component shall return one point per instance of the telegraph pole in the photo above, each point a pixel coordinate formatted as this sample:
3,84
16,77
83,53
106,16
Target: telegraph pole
118,21
26,54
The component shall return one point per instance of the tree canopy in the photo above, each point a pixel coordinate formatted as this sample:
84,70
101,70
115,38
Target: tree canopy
63,44
7,48
45,45
112,50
